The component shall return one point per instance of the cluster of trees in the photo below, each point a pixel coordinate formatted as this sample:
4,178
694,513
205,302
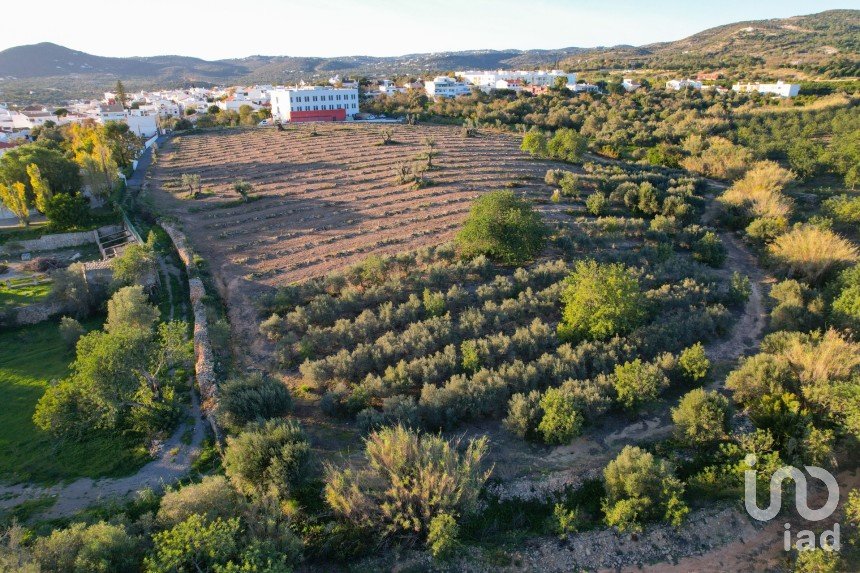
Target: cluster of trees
48,174
124,377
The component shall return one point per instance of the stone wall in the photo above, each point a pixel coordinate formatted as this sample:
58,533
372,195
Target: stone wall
57,241
204,359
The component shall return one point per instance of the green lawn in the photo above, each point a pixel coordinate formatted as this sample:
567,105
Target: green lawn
30,358
21,292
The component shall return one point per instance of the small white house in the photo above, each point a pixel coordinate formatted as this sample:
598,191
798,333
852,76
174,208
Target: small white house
678,85
443,86
780,88
143,123
629,85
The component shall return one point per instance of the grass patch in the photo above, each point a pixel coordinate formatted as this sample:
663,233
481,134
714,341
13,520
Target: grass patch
30,358
21,292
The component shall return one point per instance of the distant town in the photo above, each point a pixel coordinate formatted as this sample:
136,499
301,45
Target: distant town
148,113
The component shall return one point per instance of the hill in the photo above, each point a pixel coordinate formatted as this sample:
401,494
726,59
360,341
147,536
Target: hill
821,45
825,44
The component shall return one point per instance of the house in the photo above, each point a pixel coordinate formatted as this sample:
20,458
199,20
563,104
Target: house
388,87
489,79
443,86
780,88
514,85
142,122
678,85
110,112
314,103
629,85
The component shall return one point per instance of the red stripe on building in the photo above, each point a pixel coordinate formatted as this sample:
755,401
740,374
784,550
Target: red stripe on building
318,115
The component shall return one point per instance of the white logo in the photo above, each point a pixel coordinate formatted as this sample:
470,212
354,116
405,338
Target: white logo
805,538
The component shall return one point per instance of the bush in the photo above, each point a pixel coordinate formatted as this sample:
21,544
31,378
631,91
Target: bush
70,331
845,210
845,308
101,547
600,301
253,397
640,488
65,211
765,230
710,250
212,498
524,414
502,227
694,363
701,417
534,143
267,458
638,382
409,480
812,253
561,421
134,266
442,536
195,545
596,204
566,145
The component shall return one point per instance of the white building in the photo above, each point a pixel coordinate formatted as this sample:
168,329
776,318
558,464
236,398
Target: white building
143,123
489,79
443,86
314,103
110,112
388,87
588,88
780,88
679,85
629,85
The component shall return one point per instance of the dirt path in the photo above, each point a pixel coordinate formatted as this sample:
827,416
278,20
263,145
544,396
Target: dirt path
168,285
172,462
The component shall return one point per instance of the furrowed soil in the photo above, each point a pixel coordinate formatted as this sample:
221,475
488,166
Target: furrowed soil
325,196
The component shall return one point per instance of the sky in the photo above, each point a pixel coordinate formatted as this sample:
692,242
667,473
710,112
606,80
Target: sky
216,29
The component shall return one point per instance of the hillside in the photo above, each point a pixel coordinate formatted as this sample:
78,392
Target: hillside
826,44
822,45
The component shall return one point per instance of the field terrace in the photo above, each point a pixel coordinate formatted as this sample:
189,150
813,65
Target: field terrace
325,201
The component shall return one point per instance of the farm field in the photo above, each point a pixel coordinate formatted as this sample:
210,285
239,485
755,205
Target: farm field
323,201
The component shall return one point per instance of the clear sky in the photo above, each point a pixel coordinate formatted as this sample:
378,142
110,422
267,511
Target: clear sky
215,29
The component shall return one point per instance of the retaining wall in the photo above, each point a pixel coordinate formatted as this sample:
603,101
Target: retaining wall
204,359
57,241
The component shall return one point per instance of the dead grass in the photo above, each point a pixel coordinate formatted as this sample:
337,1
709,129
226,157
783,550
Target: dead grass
811,252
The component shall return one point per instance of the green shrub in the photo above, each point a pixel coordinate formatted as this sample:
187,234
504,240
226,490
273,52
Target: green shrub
252,397
524,414
65,211
701,417
638,382
600,301
561,421
845,210
503,227
70,331
212,498
564,521
98,548
641,488
268,457
195,545
442,536
710,250
694,363
596,203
